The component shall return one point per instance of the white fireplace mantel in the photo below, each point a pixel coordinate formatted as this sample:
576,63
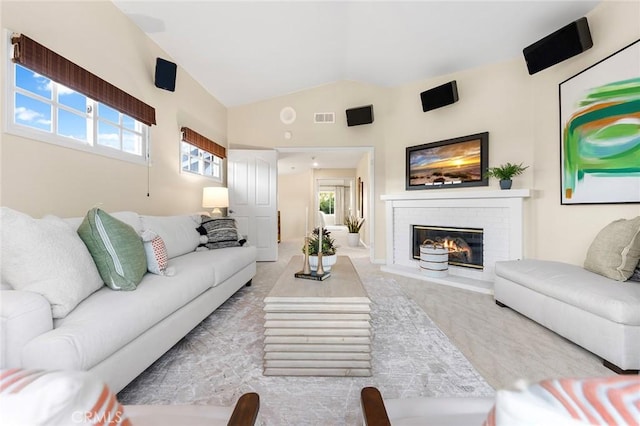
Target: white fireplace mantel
498,212
457,195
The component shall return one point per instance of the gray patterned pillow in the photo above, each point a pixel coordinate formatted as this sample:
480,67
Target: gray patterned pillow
221,232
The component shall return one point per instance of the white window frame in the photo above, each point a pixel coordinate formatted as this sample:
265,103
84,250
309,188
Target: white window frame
91,144
200,158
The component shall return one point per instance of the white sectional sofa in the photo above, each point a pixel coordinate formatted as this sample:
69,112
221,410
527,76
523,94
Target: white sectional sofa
118,334
598,313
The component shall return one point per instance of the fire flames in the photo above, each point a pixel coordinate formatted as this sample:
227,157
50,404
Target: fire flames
458,248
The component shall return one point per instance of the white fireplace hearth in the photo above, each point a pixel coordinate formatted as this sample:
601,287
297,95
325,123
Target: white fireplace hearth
499,213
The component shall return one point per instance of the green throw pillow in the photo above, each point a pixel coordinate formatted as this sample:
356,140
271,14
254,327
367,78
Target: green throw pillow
116,249
616,249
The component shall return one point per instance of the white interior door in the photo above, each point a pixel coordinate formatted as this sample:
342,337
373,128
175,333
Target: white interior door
252,178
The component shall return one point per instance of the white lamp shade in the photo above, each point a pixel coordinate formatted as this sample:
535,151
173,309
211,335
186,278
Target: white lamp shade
215,196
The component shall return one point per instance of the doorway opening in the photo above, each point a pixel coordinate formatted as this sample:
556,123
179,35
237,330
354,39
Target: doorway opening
331,183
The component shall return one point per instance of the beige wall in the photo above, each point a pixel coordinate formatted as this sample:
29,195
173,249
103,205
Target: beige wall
294,198
39,178
519,111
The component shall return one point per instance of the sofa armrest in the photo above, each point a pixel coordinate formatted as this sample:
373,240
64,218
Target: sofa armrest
246,410
23,316
374,412
244,413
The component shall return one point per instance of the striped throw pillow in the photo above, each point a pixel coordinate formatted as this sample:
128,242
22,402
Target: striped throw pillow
116,249
594,401
221,232
39,397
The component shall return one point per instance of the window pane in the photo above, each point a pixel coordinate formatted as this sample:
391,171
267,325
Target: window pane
72,125
327,201
72,99
193,166
108,135
185,162
129,122
216,171
32,113
208,168
33,82
185,147
195,151
108,113
207,156
131,143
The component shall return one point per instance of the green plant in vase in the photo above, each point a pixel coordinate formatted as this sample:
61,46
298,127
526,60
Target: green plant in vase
353,224
505,172
328,243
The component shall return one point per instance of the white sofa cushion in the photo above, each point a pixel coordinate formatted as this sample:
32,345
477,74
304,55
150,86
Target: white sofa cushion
572,284
108,320
178,232
183,415
48,257
224,262
438,411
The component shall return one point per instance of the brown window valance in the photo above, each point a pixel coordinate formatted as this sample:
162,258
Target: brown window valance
196,139
38,58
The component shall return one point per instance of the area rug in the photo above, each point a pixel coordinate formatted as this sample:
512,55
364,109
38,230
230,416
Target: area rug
222,358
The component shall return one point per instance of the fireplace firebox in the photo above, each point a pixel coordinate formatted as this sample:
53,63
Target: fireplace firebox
465,245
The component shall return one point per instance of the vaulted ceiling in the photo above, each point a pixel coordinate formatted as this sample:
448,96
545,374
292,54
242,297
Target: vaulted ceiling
246,51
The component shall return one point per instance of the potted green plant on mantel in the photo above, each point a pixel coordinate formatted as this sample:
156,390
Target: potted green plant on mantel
353,226
505,172
329,249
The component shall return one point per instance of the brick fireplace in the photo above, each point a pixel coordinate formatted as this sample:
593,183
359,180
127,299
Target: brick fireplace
499,214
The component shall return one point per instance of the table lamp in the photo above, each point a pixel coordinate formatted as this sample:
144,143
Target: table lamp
215,197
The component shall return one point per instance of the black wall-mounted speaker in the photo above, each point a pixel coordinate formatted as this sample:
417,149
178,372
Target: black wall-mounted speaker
165,75
360,115
568,41
440,96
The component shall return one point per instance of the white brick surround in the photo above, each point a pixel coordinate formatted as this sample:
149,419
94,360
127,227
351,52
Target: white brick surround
498,213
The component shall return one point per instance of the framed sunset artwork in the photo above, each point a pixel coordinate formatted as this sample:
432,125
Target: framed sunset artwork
448,163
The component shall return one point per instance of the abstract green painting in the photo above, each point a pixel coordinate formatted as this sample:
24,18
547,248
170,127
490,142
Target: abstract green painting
600,131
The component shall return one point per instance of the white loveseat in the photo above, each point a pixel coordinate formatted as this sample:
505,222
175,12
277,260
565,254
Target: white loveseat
598,313
118,334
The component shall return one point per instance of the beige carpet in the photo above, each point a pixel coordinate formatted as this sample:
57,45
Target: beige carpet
504,346
222,357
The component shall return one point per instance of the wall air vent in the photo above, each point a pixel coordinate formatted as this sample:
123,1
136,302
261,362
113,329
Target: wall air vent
324,117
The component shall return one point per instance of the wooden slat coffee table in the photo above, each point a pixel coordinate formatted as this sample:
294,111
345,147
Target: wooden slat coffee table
318,328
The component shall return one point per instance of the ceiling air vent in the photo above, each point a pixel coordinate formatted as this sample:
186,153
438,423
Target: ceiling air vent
324,117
